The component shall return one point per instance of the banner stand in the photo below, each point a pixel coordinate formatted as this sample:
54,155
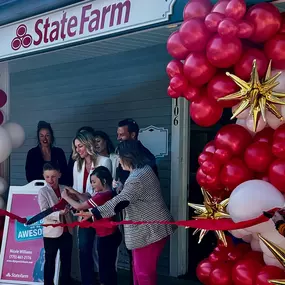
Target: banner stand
22,250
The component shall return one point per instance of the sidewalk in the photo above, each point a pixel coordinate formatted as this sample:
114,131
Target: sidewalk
162,280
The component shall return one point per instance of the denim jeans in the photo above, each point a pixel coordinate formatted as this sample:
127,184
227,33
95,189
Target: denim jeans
88,256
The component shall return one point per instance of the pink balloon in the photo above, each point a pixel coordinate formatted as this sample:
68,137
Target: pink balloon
175,47
213,20
236,9
197,69
194,34
272,121
222,53
243,115
250,125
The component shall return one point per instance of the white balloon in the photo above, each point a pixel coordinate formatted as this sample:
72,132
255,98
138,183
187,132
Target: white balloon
264,227
255,245
271,261
250,125
238,233
241,122
5,144
283,111
251,198
272,120
247,238
16,133
3,185
272,236
2,203
242,115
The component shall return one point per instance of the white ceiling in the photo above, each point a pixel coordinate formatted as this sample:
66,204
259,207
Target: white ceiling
132,41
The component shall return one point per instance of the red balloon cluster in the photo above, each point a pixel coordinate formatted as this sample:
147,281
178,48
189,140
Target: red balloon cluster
214,39
234,156
221,162
237,265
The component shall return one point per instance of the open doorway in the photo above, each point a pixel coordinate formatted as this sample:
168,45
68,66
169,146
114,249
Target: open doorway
199,137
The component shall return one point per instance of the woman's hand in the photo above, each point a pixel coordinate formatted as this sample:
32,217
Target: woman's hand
84,215
70,190
117,185
65,211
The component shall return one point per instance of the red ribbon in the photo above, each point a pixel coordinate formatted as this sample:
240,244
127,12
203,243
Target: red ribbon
207,224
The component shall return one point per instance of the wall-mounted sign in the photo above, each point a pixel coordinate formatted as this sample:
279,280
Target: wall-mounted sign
155,139
79,22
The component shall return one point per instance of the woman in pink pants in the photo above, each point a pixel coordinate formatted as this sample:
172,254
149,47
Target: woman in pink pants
140,200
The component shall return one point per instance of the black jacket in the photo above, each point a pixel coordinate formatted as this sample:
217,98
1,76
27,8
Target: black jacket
35,163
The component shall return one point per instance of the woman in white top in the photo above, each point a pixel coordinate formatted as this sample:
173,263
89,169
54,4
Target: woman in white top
86,160
105,147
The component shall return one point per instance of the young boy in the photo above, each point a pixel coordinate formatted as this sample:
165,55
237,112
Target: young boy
55,238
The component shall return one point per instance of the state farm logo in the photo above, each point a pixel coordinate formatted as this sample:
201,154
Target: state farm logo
22,39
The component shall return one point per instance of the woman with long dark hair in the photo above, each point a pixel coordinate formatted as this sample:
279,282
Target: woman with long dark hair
45,152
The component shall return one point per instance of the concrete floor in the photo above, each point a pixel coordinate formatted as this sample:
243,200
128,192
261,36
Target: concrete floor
123,277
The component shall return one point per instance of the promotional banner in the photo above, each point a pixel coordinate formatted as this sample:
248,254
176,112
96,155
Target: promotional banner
22,252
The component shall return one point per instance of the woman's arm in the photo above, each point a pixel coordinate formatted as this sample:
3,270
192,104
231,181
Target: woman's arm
80,196
76,205
131,193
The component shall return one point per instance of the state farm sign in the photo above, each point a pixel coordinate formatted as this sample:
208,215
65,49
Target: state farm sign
87,20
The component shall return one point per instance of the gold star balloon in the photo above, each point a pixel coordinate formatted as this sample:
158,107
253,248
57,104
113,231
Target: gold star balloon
279,253
211,209
256,95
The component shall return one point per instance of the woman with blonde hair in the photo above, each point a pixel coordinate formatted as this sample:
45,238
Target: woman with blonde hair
86,160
